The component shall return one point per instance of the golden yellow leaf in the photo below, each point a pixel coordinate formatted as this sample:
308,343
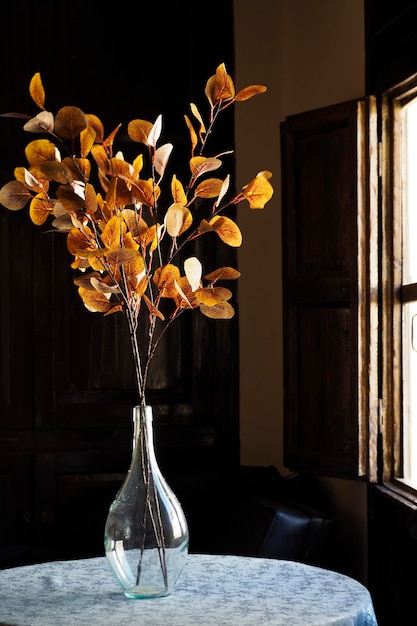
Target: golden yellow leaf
213,295
137,165
118,193
94,301
193,136
87,139
109,140
197,115
178,193
220,87
134,222
70,121
249,92
40,209
14,195
78,241
146,192
90,199
39,151
138,130
220,311
209,188
119,256
164,278
100,156
36,90
258,191
96,124
113,232
227,230
223,273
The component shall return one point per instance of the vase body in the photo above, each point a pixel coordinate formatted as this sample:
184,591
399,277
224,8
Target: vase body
146,533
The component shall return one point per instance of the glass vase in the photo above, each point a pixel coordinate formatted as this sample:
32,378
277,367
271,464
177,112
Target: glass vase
146,533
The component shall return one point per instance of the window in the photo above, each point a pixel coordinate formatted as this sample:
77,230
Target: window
399,284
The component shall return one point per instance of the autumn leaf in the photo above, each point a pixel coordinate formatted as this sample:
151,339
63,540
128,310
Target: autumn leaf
222,310
14,195
227,230
258,191
220,87
36,90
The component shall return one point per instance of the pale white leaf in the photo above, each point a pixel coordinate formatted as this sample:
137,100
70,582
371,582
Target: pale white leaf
193,271
223,190
30,179
43,122
161,158
155,132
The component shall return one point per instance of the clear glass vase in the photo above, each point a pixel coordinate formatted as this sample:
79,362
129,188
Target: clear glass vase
146,533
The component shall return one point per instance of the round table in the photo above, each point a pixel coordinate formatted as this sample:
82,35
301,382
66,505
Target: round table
216,590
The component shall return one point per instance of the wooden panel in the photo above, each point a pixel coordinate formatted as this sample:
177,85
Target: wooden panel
326,260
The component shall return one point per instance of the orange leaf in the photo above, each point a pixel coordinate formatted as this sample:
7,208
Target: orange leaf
220,87
94,301
227,230
96,124
249,92
36,90
258,191
119,256
87,139
211,296
223,273
164,278
209,188
40,209
192,132
113,232
138,130
39,151
178,193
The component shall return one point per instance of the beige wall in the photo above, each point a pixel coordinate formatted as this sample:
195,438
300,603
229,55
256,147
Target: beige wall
309,53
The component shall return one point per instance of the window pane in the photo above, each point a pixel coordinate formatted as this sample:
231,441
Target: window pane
409,309
410,392
409,199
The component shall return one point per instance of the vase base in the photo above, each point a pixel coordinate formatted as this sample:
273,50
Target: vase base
146,591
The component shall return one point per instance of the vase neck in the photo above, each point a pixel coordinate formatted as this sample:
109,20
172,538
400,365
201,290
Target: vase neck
143,430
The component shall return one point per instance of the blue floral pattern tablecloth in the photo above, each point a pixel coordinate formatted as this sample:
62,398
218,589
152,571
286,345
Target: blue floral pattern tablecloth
212,591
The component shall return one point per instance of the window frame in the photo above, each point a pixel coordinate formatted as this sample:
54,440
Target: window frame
392,292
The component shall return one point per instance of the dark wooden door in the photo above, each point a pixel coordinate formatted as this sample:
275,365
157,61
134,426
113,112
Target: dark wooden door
329,218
